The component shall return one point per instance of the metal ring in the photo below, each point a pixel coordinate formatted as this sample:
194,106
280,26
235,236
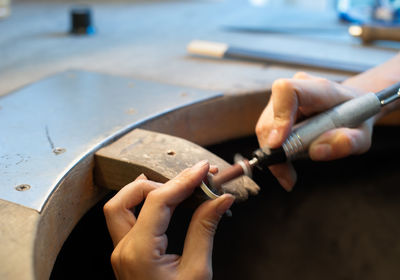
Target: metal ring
207,191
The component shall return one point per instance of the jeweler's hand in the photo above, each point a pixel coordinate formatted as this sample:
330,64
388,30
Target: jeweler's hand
303,96
140,244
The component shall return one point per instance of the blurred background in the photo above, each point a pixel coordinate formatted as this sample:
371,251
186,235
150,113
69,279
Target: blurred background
148,39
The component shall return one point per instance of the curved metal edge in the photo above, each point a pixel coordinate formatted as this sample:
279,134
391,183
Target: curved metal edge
57,219
115,137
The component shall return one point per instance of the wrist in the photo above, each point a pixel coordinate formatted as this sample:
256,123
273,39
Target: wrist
375,80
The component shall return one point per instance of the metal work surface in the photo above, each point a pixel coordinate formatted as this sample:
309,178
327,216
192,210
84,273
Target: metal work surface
49,126
148,39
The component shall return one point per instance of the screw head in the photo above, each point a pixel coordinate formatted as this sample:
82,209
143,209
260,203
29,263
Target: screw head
171,153
58,151
23,187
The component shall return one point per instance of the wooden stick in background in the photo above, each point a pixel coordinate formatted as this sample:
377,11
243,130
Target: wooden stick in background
370,33
222,50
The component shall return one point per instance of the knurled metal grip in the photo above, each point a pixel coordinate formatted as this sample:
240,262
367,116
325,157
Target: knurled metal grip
349,114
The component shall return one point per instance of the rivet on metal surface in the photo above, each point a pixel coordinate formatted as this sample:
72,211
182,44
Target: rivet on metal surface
23,187
171,153
58,151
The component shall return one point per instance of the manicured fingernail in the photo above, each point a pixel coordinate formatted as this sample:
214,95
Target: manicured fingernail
200,164
273,138
225,204
321,151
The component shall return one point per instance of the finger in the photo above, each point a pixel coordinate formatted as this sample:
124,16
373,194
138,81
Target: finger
303,76
213,169
342,142
265,125
199,238
117,211
140,177
156,212
307,96
285,174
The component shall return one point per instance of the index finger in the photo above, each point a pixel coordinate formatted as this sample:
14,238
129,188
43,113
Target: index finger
158,208
291,96
118,210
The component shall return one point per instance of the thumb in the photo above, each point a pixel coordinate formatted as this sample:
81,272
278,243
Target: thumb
342,142
199,238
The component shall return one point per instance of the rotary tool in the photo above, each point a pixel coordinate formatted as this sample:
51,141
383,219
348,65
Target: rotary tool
348,114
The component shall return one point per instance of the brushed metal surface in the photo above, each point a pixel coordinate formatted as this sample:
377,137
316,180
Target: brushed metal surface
49,126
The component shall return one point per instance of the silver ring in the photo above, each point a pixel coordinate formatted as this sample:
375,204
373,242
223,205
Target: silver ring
207,191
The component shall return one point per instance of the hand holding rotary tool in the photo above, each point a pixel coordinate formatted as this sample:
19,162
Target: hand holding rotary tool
349,114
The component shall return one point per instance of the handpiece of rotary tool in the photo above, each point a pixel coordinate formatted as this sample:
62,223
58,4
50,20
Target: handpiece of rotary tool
348,114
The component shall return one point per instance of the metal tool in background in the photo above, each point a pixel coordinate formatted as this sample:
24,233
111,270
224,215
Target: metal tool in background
371,20
297,29
366,32
368,11
369,33
81,21
222,50
348,114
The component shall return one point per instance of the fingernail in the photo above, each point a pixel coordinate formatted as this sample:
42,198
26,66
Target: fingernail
225,204
273,138
321,151
200,164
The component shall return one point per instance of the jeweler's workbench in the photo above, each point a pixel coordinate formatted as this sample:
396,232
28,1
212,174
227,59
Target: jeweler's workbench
148,39
65,96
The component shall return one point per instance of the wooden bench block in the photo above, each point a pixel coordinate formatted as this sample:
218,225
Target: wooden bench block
160,157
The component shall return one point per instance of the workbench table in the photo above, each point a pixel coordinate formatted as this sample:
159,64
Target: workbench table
142,41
